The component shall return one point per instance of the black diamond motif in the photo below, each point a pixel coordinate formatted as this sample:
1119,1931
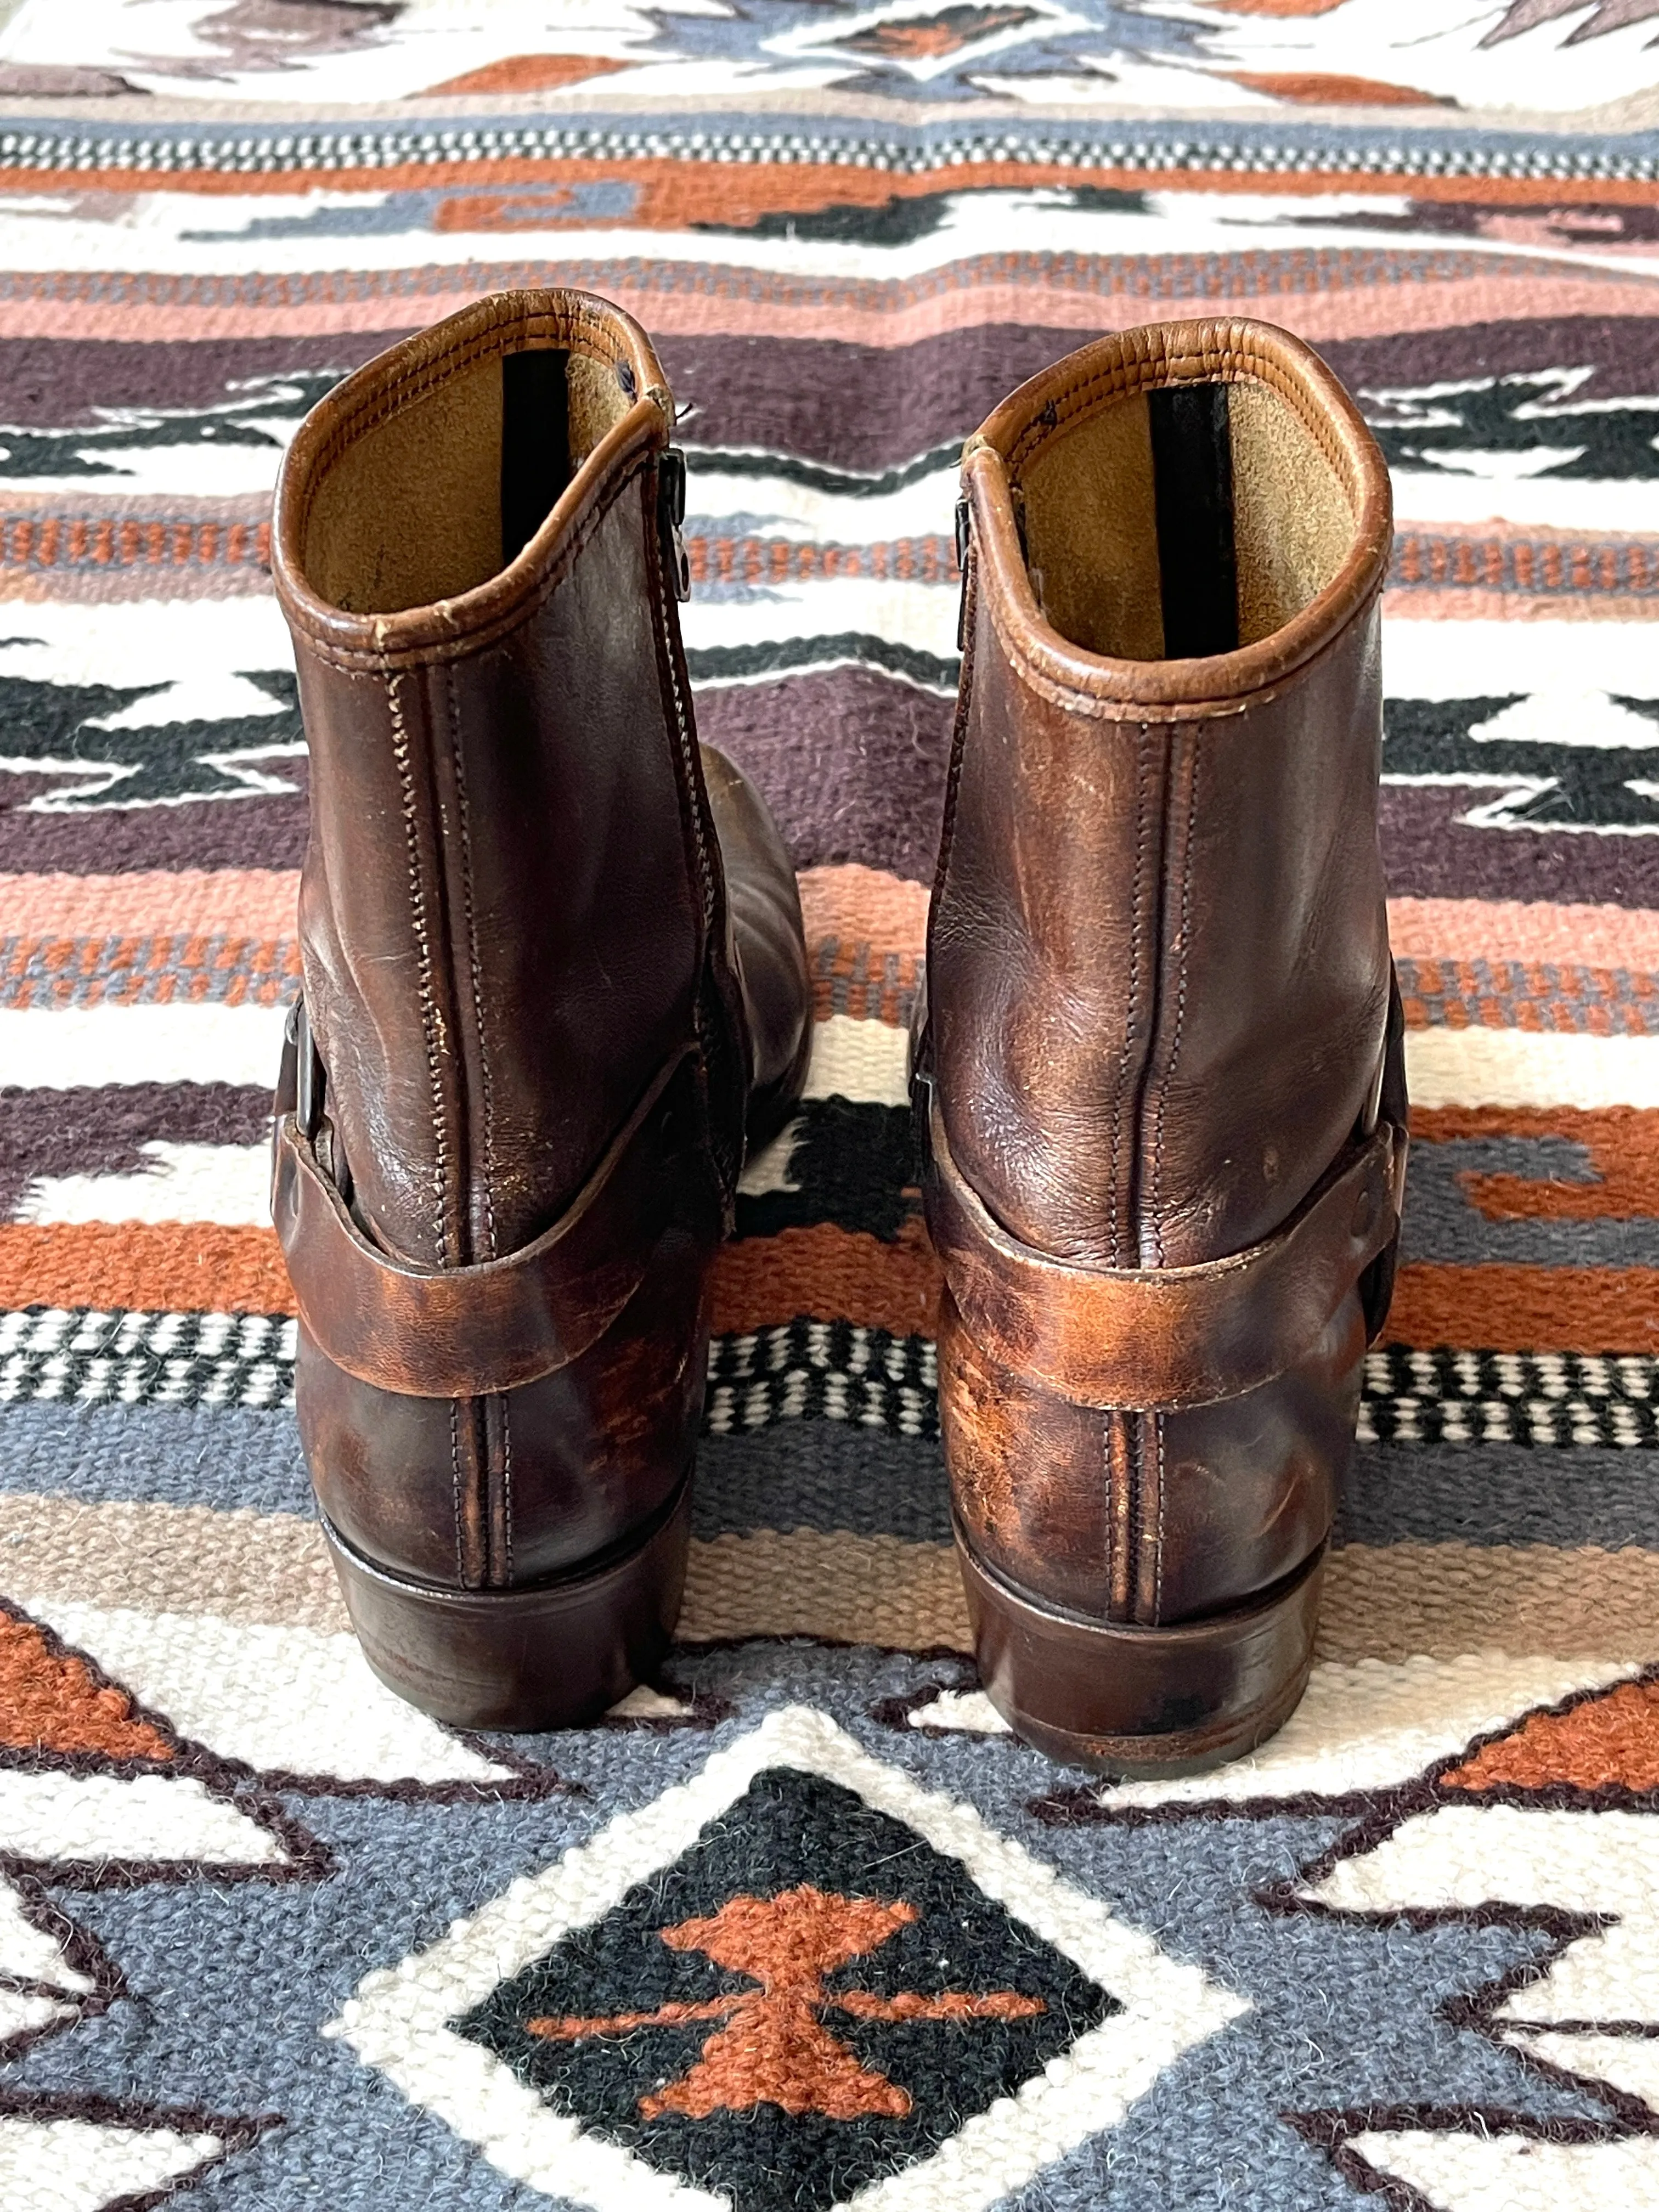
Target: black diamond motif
883,2000
157,764
1521,413
100,449
1607,787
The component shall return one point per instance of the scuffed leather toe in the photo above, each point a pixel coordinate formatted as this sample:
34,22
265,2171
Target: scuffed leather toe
769,942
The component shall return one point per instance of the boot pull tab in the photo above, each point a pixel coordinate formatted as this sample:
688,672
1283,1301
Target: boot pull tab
671,514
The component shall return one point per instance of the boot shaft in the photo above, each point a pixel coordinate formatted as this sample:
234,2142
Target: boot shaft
511,885
1158,959
511,1121
1162,1087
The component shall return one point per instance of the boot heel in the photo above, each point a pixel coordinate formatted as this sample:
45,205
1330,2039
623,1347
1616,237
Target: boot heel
1136,1703
553,1654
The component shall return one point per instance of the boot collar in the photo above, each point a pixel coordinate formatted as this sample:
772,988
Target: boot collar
580,324
998,456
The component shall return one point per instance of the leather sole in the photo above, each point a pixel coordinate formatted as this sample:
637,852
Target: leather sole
551,1654
1136,1703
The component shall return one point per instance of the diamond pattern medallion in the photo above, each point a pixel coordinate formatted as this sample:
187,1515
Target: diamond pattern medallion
919,40
799,1980
948,31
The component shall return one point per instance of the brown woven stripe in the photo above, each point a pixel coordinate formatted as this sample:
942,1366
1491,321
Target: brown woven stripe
1382,1602
824,1273
1390,1602
156,1557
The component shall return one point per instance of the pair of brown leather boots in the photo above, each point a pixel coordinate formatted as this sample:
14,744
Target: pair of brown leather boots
554,983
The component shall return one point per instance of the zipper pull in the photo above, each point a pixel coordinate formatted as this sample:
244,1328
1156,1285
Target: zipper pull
671,514
965,525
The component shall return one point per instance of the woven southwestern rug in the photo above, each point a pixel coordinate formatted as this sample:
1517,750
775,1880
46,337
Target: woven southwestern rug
800,1927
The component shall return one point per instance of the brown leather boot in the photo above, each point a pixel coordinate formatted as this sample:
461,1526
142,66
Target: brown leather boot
552,960
1161,1081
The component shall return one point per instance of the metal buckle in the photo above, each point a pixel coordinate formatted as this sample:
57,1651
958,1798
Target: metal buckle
304,1079
1373,1109
309,1079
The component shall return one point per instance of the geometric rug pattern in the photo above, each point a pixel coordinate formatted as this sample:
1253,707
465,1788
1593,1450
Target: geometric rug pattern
801,1925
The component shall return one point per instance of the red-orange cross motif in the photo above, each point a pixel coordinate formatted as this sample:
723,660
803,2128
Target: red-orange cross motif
774,2048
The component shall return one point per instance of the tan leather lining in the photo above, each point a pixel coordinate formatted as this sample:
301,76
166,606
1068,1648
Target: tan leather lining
404,506
598,403
1293,518
403,375
1084,467
1117,685
427,636
410,510
1091,533
1174,353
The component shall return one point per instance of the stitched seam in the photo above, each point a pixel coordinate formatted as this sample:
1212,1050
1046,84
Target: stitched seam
1129,1431
506,1484
1106,1484
464,814
1157,1541
356,658
1114,1548
1134,1007
681,723
455,1485
1181,1007
429,1021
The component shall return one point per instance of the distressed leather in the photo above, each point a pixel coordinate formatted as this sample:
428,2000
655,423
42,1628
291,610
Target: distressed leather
1159,1338
1167,1101
522,918
497,1324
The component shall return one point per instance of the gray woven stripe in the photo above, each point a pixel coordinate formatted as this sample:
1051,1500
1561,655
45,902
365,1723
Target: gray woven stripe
79,1355
823,1370
833,1371
1510,1398
926,150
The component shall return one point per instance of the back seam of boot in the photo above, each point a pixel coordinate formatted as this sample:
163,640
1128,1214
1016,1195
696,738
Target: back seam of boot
422,923
478,1504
